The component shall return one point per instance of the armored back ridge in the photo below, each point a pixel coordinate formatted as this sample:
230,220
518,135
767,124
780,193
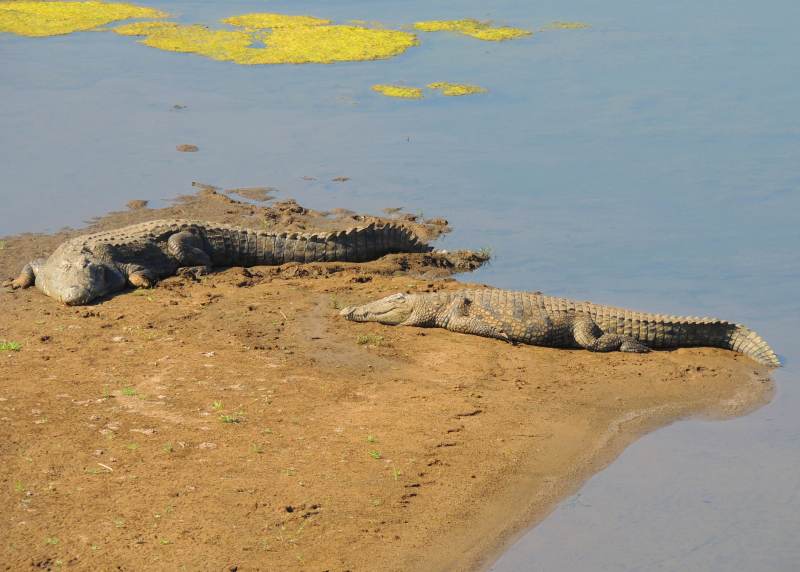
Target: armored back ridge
531,318
94,265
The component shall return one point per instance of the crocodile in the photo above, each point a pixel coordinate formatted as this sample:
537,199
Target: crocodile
536,319
91,266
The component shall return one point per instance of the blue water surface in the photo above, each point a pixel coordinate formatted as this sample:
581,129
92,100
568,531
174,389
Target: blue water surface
652,161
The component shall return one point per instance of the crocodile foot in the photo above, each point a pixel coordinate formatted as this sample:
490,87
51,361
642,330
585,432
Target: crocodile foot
141,280
633,346
22,281
193,272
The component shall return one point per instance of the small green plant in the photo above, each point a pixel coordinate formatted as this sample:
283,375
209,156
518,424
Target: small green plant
396,473
10,346
119,523
51,540
2,244
164,541
107,392
216,406
335,303
234,418
375,454
168,448
129,391
19,487
95,548
370,340
256,448
372,439
132,446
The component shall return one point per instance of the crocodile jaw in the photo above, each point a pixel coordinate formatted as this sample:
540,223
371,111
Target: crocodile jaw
392,310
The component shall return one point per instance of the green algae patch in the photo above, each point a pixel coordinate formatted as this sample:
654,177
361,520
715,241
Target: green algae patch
399,91
263,20
456,89
39,19
192,38
473,28
296,44
566,26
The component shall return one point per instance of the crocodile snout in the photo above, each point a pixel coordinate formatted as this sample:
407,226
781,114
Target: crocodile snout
347,312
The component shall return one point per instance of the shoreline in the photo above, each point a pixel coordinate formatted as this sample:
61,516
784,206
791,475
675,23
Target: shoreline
616,440
481,551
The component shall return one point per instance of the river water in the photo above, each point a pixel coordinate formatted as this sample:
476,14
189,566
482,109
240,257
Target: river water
652,161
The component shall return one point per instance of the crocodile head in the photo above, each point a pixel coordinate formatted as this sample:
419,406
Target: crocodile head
392,310
77,278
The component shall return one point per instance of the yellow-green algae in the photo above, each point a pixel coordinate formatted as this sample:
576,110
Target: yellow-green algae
38,19
400,91
474,28
296,44
456,89
263,20
557,25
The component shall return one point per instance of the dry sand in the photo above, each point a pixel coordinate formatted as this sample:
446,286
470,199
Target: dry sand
237,423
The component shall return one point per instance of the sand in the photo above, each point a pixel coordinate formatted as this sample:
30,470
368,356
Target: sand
235,422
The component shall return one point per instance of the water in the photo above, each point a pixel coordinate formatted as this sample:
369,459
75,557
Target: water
650,162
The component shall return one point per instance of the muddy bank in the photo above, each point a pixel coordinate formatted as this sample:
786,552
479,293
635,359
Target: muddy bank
240,411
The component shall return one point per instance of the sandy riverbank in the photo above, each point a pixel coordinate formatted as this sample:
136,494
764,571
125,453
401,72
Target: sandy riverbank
237,423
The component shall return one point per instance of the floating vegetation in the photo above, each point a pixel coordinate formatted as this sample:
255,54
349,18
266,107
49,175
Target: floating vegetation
566,26
289,44
456,89
444,87
194,38
474,28
401,91
56,18
263,20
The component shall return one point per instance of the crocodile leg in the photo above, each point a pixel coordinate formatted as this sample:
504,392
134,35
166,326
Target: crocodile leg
139,276
588,335
27,277
459,317
185,246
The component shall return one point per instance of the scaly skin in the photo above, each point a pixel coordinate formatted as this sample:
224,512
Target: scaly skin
94,265
532,318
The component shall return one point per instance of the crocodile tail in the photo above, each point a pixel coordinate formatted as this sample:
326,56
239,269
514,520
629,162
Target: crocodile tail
749,343
362,244
359,244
